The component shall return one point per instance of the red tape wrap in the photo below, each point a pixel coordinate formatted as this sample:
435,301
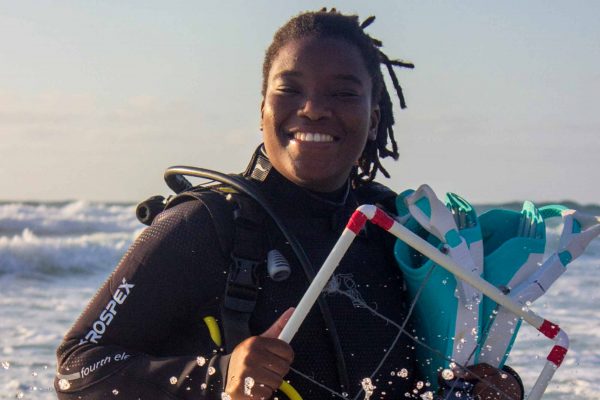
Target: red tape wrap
382,219
549,329
557,355
357,221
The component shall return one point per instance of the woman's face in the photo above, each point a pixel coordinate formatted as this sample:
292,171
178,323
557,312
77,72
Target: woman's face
317,113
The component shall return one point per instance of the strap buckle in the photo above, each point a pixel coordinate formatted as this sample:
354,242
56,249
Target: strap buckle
242,286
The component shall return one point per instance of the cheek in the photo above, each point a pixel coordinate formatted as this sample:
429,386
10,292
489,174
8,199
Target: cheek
275,110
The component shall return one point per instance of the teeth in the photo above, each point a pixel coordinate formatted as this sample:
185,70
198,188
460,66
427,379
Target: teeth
313,137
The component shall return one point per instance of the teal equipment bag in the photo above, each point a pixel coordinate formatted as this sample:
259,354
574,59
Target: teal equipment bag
508,244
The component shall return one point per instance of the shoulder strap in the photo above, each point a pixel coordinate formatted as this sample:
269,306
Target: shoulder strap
239,222
218,207
247,257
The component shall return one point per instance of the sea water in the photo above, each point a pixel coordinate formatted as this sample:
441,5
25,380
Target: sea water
54,256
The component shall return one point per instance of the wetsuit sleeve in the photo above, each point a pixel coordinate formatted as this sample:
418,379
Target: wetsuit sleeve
143,335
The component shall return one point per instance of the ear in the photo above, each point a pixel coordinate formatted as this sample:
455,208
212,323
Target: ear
374,122
262,110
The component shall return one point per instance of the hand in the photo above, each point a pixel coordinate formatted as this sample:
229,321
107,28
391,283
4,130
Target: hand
263,358
505,385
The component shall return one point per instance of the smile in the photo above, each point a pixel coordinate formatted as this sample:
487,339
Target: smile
313,137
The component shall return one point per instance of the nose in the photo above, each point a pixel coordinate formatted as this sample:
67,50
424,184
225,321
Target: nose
315,108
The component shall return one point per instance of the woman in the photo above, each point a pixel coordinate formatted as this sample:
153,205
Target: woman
326,117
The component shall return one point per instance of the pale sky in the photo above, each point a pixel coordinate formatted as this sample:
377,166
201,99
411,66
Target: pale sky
98,98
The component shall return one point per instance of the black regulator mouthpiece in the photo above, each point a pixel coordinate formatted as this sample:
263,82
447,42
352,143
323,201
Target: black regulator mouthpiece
148,209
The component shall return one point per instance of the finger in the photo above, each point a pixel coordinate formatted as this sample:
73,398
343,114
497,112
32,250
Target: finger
277,365
261,391
275,329
269,379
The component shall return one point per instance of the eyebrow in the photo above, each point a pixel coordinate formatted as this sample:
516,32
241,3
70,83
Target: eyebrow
349,78
341,77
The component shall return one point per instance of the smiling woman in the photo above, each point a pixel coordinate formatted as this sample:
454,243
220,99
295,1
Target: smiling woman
326,119
318,112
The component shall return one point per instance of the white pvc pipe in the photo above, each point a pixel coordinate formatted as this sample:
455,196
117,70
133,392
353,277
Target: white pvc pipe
547,373
317,285
421,245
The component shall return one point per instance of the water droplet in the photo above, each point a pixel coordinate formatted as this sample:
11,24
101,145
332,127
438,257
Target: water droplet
368,387
34,373
503,376
248,385
20,395
447,374
64,384
201,361
403,373
173,380
203,386
225,396
420,385
115,392
211,370
427,395
344,394
5,364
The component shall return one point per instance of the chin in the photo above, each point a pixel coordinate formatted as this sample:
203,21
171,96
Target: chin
318,182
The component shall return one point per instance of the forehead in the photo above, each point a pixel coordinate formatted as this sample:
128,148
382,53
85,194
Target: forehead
324,56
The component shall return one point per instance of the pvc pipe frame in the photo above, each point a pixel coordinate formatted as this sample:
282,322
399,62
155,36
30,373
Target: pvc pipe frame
380,218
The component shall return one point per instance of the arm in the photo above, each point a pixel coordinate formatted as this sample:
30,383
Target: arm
142,333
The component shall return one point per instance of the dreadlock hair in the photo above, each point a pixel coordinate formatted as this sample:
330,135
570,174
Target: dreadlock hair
332,23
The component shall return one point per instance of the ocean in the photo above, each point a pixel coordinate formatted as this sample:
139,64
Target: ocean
53,257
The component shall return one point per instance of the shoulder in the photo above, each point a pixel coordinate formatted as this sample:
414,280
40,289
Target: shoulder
205,213
186,227
377,194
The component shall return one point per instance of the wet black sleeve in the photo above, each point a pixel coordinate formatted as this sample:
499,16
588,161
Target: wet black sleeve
143,335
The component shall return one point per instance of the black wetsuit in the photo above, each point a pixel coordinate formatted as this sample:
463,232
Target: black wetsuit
143,335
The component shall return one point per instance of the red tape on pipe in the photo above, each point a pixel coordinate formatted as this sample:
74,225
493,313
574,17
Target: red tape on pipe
557,355
549,329
357,221
382,219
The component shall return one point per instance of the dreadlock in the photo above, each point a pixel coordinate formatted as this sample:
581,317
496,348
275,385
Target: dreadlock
331,23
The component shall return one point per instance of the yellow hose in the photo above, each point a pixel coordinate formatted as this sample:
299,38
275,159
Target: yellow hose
213,330
289,391
215,335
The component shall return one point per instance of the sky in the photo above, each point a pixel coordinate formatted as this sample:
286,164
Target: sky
98,98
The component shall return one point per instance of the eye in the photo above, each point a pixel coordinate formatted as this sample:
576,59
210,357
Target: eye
345,94
286,89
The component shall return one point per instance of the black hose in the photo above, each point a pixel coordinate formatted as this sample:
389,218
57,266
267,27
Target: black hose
174,177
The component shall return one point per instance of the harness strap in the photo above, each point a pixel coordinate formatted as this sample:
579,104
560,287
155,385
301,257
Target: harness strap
239,222
247,256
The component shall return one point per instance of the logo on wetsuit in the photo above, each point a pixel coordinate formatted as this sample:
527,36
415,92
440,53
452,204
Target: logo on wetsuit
107,315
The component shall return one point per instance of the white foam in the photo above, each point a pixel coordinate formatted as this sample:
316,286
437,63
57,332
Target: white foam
78,217
28,254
